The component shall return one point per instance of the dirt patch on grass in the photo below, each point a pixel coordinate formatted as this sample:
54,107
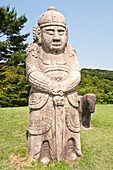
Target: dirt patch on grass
19,162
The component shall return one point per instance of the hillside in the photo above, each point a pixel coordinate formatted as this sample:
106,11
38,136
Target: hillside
99,82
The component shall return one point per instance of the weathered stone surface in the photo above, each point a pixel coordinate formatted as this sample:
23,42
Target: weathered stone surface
53,72
87,106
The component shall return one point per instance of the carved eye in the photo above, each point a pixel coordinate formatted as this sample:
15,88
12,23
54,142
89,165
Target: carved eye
50,31
61,32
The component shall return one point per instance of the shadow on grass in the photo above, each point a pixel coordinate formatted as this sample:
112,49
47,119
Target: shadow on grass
27,134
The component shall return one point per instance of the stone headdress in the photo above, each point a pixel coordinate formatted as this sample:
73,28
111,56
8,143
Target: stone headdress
50,17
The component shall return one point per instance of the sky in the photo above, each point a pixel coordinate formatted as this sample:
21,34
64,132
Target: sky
89,23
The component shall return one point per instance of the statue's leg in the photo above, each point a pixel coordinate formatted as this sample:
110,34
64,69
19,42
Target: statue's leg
34,146
39,150
45,153
71,154
74,147
73,133
78,144
40,134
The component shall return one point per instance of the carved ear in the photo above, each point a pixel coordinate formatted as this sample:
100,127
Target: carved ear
66,36
67,33
37,34
34,33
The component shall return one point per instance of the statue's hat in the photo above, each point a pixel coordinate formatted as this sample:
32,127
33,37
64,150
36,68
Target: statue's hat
51,17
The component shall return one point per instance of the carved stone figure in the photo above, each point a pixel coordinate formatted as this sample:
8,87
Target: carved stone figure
53,73
87,106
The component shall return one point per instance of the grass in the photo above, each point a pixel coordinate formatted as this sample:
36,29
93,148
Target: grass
97,144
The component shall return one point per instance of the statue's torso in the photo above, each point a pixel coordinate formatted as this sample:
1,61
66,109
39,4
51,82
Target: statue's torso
56,67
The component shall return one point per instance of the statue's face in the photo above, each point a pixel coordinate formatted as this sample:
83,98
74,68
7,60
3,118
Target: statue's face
54,39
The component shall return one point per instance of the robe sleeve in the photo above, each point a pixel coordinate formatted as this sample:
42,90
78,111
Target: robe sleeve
35,77
74,77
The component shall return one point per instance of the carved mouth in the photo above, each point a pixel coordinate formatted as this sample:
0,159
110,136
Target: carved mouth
56,45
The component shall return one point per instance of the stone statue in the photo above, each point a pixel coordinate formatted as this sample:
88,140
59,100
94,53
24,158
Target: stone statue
53,73
87,106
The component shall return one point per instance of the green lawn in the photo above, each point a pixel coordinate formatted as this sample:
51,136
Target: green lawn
97,144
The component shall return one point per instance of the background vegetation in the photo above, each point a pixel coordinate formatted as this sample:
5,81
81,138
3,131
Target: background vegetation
97,143
13,86
99,82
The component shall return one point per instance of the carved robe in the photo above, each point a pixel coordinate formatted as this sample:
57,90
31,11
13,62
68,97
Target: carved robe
50,121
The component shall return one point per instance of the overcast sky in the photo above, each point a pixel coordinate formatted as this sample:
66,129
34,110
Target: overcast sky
90,25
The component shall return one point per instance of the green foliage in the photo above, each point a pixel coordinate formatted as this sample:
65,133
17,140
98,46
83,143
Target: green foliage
101,74
97,143
12,41
99,82
14,89
13,86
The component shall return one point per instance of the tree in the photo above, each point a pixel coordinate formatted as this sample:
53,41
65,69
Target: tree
12,41
99,82
13,87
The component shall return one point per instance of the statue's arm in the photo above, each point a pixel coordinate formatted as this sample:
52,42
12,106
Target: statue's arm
74,78
36,79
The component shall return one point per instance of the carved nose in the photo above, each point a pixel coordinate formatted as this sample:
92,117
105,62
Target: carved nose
56,36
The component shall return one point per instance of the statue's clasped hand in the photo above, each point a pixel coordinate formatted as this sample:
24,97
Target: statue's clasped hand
58,90
58,95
